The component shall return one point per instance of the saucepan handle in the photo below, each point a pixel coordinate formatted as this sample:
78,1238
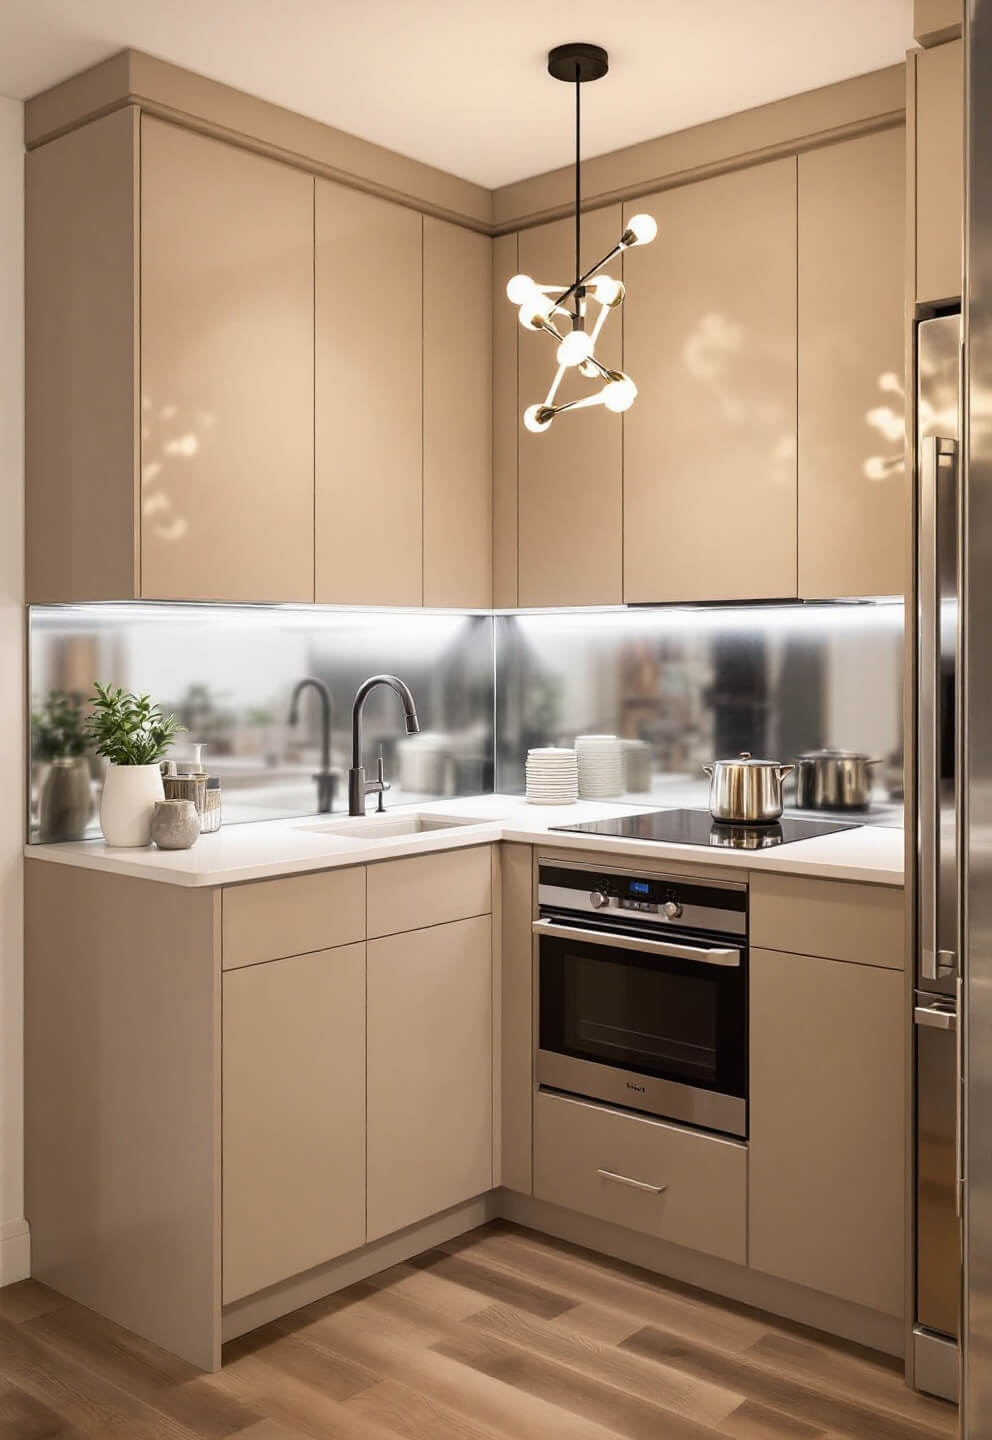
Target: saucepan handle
707,769
784,770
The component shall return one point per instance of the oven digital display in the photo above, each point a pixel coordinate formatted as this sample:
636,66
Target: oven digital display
639,887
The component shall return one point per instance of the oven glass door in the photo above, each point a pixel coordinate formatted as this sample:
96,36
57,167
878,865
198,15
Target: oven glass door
670,1017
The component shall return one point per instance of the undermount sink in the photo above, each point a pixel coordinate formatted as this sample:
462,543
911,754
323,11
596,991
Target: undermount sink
375,827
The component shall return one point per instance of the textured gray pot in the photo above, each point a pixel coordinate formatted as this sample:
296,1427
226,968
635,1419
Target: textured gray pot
66,801
175,824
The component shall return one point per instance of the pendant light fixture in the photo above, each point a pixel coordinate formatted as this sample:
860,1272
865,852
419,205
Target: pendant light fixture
563,312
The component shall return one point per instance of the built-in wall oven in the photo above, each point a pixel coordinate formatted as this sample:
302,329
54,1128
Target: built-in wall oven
643,992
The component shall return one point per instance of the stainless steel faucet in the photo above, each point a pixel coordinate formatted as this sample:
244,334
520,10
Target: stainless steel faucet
324,777
358,786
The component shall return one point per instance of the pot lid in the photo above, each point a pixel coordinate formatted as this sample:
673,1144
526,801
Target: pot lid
830,754
746,758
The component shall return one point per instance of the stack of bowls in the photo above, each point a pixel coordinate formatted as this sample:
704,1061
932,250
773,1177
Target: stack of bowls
600,766
552,776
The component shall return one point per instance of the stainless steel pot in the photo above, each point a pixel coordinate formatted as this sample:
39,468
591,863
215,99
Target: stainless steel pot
746,791
834,780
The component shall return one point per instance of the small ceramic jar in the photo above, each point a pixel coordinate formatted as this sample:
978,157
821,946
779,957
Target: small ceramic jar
175,824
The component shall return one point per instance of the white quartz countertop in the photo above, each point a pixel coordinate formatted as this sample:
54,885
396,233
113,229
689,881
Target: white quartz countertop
261,850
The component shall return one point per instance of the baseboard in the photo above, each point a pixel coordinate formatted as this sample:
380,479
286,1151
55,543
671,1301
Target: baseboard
243,1315
15,1251
719,1277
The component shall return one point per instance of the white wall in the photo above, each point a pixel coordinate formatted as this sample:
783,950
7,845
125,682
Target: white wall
14,1242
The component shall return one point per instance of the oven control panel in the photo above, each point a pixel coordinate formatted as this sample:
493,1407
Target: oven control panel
635,893
661,899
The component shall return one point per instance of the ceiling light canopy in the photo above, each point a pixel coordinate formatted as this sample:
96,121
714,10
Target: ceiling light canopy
565,312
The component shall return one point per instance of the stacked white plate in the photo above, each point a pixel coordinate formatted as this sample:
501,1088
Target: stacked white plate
600,766
552,776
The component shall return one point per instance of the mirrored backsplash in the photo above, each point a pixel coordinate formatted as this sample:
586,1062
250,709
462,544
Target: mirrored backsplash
682,686
228,673
686,686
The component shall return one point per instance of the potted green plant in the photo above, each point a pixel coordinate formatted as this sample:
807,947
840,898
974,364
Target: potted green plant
58,742
132,735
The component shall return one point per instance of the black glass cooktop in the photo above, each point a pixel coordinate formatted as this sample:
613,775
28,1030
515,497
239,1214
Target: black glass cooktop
697,827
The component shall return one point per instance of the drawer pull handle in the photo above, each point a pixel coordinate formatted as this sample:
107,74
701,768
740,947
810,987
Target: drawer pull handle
634,1184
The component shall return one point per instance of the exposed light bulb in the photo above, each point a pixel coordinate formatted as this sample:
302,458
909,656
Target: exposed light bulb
519,289
538,418
536,311
620,393
606,289
641,228
575,348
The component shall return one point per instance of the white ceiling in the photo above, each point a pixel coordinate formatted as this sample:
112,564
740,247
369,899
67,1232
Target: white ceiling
461,84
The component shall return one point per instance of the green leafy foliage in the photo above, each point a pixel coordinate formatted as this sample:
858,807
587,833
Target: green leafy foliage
128,729
57,727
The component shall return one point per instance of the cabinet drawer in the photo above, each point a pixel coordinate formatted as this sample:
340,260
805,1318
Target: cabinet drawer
703,1204
429,890
275,918
835,919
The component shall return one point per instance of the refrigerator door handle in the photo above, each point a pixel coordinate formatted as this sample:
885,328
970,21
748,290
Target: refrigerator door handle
937,531
938,1016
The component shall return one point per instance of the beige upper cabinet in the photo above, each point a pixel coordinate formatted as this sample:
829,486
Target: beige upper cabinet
939,116
430,1072
827,1126
570,476
369,415
506,424
709,482
458,449
852,483
293,1115
226,372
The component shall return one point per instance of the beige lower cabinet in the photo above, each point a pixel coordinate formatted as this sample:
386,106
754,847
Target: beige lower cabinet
827,1126
430,1113
293,1115
677,1185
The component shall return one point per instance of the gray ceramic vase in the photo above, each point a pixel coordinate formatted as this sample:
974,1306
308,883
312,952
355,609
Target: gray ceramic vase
175,824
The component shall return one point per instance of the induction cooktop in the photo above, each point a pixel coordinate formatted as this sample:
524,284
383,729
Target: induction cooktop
697,827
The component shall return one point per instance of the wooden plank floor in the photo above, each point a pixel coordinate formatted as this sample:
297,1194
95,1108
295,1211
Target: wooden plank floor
502,1334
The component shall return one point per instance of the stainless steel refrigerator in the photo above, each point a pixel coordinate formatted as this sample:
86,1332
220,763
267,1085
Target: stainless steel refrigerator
975,815
936,1030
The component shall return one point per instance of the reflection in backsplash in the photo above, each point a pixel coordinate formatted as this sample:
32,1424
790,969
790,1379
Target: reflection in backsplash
228,673
683,685
687,686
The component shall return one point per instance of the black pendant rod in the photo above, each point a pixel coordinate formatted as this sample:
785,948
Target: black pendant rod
578,179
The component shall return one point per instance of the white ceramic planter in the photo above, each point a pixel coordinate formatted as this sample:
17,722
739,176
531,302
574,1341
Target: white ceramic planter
128,803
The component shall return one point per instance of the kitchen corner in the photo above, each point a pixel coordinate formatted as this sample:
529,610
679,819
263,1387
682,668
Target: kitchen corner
496,807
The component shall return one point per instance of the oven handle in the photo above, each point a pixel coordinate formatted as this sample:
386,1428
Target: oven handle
704,955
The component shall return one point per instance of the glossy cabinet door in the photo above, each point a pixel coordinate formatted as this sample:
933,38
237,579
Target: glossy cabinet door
939,76
293,1115
709,483
226,350
458,448
430,1072
853,500
570,476
827,1126
506,424
369,399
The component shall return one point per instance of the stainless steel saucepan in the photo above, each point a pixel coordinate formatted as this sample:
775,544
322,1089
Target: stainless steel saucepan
834,780
746,791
